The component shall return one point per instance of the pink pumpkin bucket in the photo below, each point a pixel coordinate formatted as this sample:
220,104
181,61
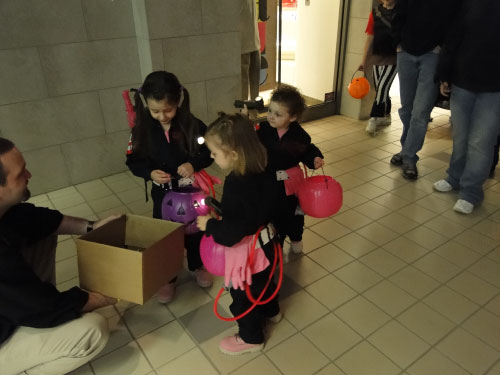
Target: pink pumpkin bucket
320,196
212,255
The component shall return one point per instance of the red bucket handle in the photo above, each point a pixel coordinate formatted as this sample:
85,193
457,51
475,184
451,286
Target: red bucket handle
322,170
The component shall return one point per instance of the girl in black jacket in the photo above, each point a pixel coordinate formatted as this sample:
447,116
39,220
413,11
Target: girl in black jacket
248,202
166,149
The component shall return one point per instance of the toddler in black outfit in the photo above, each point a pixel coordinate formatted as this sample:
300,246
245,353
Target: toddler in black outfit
288,144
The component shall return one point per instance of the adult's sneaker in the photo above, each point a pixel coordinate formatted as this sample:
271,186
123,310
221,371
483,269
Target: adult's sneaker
410,171
443,186
397,160
463,206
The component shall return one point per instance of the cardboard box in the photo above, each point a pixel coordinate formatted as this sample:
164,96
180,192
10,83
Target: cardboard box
110,259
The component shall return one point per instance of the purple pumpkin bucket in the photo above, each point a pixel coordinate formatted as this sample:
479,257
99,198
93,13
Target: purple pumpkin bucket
184,206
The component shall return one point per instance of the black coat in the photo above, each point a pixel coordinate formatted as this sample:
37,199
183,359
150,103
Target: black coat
294,147
167,156
248,202
421,25
24,299
471,52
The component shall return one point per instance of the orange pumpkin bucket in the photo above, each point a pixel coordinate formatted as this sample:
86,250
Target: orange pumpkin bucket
359,87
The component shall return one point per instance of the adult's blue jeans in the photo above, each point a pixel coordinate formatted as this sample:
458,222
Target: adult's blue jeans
418,91
476,126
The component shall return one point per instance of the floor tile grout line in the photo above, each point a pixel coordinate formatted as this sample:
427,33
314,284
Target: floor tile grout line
417,301
484,255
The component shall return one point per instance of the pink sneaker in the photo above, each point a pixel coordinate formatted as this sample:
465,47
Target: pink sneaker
234,345
203,278
166,293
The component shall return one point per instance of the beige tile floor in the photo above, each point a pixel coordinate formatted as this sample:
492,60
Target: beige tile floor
395,283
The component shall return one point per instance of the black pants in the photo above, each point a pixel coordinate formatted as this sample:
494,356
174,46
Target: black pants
287,223
191,241
251,326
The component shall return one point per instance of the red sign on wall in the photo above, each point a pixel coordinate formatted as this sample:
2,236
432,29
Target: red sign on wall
289,3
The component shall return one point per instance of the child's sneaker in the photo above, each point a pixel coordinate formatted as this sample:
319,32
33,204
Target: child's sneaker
234,345
276,319
286,254
166,293
203,278
371,128
296,247
385,121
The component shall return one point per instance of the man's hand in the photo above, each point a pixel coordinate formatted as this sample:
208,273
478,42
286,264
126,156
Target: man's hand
185,170
106,220
445,89
98,300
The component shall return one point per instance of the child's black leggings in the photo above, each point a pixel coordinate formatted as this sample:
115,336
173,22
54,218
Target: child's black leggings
251,325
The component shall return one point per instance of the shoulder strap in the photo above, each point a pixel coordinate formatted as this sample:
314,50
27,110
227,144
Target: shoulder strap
379,15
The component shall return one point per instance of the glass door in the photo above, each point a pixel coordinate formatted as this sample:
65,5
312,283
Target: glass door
301,40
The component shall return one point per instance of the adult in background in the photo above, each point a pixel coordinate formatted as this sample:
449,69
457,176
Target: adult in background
419,29
250,50
42,330
380,50
467,68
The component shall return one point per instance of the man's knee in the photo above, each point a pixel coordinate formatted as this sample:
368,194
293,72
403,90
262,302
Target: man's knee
92,329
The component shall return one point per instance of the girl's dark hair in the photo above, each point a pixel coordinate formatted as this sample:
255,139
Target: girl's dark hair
161,85
291,98
236,133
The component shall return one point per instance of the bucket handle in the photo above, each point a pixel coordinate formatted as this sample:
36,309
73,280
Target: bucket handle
322,170
356,72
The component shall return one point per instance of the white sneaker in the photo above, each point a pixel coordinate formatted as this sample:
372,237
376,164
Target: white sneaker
276,319
296,247
443,186
384,121
371,128
463,206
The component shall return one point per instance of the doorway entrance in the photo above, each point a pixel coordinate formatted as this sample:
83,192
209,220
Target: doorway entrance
301,42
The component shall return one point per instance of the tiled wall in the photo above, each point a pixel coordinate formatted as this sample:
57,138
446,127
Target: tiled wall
358,17
64,63
199,41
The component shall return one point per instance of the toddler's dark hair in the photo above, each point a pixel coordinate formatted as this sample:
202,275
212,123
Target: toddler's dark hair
290,97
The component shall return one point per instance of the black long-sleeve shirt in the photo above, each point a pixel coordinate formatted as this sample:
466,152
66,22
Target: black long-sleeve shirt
248,202
421,25
167,156
24,299
294,147
471,52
